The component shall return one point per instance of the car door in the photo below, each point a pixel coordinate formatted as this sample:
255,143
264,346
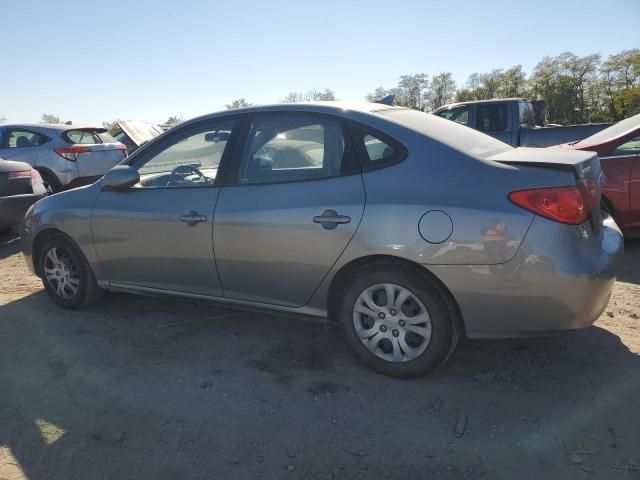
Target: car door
292,206
21,144
621,167
158,233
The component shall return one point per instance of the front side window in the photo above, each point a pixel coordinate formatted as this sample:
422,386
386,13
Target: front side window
459,115
491,118
16,138
285,148
631,147
191,159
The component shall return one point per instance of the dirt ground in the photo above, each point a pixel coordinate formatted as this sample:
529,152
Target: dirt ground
148,388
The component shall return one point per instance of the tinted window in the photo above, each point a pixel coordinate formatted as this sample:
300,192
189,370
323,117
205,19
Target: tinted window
491,118
527,115
459,115
190,159
632,147
287,147
17,138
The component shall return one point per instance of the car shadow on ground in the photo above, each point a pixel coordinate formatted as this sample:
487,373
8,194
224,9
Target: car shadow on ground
152,388
9,245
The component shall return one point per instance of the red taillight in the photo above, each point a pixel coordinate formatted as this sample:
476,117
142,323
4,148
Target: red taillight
72,152
562,204
16,175
35,177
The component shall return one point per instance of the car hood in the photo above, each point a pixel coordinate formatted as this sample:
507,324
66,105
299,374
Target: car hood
140,132
11,166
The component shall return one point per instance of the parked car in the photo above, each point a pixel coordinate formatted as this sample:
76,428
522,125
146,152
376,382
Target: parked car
619,149
20,187
65,155
512,120
135,133
406,229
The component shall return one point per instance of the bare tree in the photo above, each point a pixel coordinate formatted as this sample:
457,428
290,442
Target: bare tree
312,95
238,103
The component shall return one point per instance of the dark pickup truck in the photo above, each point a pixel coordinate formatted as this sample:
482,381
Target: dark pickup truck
513,120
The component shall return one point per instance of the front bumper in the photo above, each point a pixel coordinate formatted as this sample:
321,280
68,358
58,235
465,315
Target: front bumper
560,279
13,208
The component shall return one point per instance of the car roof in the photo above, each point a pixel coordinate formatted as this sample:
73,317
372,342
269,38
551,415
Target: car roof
49,126
334,107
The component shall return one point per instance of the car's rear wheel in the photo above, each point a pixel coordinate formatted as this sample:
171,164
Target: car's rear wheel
50,182
66,274
397,320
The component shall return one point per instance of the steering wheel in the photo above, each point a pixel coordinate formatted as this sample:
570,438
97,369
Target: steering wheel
179,174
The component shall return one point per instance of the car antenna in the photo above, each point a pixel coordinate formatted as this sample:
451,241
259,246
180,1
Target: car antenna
388,100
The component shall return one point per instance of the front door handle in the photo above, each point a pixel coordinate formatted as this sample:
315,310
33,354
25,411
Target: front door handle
330,219
192,217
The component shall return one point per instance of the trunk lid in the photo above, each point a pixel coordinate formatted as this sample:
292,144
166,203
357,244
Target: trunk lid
584,165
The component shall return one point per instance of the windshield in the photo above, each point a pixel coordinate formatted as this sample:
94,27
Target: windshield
452,134
614,131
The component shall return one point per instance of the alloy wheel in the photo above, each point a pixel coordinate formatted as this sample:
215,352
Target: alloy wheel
61,273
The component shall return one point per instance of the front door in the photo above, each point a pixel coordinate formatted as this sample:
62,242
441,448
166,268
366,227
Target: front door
295,202
158,233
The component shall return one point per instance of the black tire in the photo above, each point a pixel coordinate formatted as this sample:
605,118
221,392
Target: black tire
444,330
51,182
87,291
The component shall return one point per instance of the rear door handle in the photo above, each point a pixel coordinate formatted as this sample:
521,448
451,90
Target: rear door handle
193,217
330,219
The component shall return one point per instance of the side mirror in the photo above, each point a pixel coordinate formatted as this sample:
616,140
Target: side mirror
120,177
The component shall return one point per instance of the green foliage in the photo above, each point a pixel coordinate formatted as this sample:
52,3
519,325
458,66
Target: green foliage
575,89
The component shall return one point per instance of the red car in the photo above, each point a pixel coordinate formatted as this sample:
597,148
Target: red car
619,150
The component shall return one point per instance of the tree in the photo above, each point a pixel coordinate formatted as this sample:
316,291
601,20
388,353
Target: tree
111,126
378,93
50,118
410,91
621,74
312,95
172,121
238,103
441,91
513,82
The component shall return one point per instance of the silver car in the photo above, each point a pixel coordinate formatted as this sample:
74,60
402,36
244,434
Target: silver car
65,155
408,230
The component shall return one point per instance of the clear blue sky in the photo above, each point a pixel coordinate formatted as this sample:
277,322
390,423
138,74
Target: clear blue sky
90,61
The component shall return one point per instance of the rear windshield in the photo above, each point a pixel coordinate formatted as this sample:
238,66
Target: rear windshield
614,131
451,134
87,135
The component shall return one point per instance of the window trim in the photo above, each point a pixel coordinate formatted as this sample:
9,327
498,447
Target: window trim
359,130
154,147
350,165
7,130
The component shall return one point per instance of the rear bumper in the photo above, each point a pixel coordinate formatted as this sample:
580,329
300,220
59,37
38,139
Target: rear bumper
13,208
560,279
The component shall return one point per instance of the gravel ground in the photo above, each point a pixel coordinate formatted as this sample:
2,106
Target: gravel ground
150,388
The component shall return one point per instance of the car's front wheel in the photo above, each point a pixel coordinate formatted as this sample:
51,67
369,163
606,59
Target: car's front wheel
66,274
397,320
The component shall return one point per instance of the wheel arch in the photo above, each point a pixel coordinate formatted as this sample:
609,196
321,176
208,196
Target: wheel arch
343,275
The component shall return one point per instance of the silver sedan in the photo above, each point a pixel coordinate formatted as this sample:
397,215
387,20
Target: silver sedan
408,230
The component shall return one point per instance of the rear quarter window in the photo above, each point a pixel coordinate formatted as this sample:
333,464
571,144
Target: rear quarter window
376,149
87,136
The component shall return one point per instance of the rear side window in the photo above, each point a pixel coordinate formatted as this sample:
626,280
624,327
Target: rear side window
18,138
375,148
87,136
631,147
491,118
459,115
284,148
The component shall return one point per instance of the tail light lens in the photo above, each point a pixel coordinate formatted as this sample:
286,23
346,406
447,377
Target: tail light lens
561,204
72,152
16,175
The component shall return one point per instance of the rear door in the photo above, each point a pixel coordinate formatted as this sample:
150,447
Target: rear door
21,144
293,203
94,151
